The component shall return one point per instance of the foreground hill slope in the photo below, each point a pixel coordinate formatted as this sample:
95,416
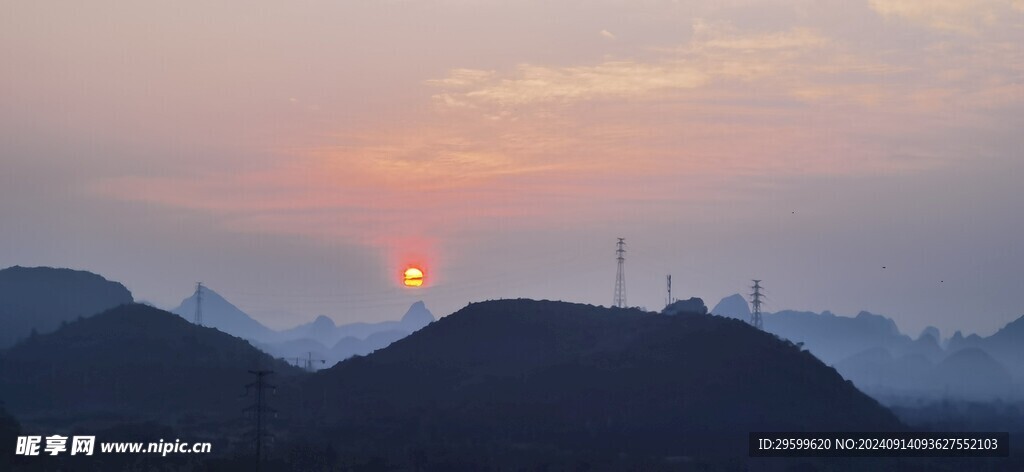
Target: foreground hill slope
132,361
578,379
41,298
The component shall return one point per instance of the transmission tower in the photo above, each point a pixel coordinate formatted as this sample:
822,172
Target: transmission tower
199,304
755,303
620,275
307,363
259,408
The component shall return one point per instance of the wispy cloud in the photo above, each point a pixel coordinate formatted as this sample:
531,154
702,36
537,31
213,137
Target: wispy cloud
964,16
724,36
542,143
538,84
718,53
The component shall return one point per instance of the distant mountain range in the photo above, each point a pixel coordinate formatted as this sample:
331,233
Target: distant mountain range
324,331
41,298
870,350
221,314
320,340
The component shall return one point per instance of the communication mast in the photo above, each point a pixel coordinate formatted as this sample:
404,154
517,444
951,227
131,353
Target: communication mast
755,303
668,281
199,304
620,275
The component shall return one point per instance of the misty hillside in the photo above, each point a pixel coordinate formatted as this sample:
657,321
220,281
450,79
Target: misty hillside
327,343
297,351
833,338
416,317
733,306
1005,346
40,298
870,350
554,376
965,374
321,330
221,314
319,336
830,337
134,361
352,346
324,331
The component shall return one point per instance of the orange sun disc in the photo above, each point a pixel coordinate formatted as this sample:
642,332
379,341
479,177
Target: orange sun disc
413,277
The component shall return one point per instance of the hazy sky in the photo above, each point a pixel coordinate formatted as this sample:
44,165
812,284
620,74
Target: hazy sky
294,155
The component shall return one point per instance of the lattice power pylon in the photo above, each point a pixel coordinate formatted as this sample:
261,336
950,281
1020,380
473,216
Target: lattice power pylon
755,304
620,274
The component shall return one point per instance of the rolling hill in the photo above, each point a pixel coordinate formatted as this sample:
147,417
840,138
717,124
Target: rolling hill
131,361
523,378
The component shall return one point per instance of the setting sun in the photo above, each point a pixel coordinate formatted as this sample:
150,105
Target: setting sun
413,277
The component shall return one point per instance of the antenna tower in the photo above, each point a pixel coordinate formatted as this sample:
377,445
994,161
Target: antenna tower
755,303
199,304
259,408
620,275
668,281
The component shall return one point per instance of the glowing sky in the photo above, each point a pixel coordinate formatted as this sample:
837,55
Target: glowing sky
295,156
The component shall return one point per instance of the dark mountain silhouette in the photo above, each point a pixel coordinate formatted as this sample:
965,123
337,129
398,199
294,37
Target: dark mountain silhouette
131,361
733,306
221,314
41,298
514,378
10,429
